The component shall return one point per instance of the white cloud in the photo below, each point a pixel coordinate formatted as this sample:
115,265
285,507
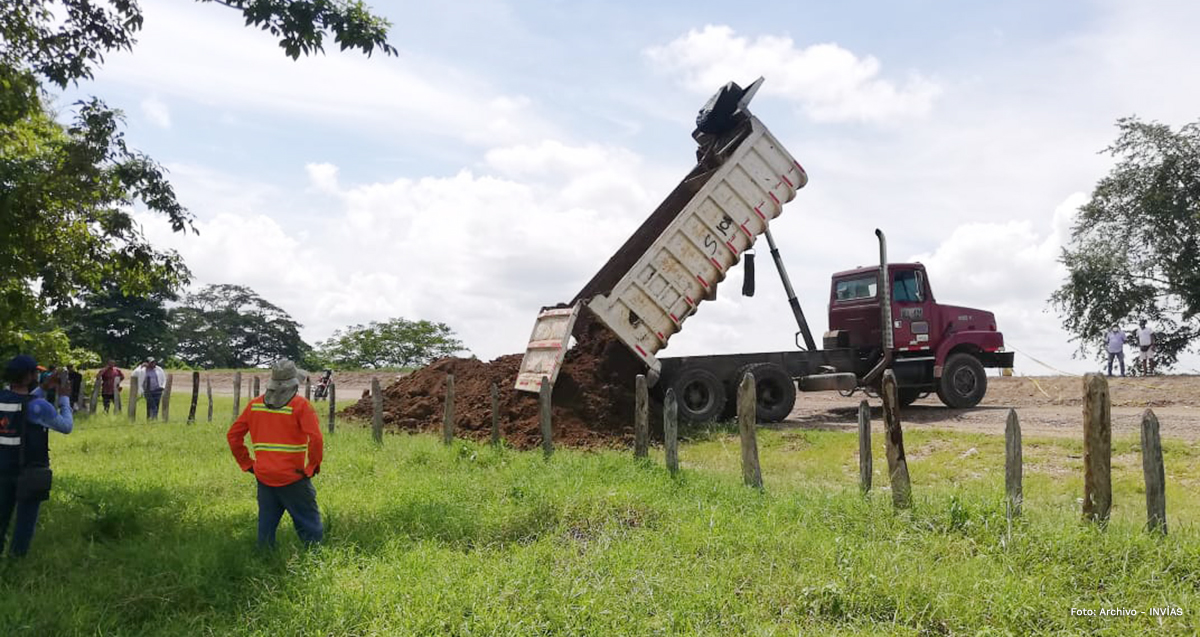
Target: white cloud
829,82
156,111
324,176
189,52
480,251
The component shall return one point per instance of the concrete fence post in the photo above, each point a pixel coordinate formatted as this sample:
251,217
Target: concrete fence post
1156,477
195,398
448,415
1097,449
641,418
747,410
897,462
376,411
865,468
1013,468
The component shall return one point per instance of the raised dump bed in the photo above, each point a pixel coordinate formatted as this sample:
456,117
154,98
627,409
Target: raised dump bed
675,260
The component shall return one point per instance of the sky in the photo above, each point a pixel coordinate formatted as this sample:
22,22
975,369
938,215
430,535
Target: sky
492,166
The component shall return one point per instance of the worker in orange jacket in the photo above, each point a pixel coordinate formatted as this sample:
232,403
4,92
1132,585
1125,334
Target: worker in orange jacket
282,426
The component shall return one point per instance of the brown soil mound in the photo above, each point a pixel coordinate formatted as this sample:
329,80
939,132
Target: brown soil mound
593,398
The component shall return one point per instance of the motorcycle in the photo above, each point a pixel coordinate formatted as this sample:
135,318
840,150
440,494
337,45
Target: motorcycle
321,391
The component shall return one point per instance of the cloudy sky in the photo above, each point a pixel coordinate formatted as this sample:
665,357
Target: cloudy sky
496,163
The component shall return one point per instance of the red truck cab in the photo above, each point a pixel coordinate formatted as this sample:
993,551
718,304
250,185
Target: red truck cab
937,348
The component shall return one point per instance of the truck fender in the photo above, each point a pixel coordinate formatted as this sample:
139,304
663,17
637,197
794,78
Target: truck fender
971,341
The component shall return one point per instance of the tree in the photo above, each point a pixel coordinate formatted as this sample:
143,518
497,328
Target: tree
232,326
396,343
119,326
1134,251
66,191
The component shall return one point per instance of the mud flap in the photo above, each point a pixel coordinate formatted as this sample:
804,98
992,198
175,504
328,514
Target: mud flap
547,347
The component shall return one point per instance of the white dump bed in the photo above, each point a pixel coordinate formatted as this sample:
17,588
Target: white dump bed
680,269
723,220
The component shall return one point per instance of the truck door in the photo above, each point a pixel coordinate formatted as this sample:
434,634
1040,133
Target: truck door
911,311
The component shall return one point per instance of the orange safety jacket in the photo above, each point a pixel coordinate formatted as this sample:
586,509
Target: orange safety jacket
280,438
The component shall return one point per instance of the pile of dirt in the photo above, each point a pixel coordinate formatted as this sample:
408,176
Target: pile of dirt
593,398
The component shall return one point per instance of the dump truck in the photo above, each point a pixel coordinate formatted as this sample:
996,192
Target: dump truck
881,317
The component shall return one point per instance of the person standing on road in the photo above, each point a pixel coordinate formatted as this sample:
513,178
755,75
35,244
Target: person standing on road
153,380
110,377
282,428
25,420
1146,344
1116,349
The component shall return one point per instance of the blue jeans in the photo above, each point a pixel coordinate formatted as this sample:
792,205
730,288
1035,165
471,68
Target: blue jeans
299,499
152,398
27,516
1119,356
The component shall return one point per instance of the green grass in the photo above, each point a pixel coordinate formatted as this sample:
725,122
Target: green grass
151,531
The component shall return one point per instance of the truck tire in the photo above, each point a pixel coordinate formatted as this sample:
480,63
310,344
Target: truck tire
908,396
775,391
699,394
963,382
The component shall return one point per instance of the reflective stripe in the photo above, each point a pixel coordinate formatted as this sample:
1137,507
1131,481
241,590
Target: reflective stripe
262,407
282,448
10,407
10,441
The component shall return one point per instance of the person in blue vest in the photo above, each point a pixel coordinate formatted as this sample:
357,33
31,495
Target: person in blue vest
25,421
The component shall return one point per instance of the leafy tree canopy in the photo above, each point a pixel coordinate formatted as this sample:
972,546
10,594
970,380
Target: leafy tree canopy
124,328
232,326
397,343
67,190
1135,248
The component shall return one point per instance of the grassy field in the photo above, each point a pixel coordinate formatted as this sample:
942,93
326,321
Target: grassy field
150,531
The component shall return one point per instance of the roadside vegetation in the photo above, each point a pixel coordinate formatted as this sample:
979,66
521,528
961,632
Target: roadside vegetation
151,531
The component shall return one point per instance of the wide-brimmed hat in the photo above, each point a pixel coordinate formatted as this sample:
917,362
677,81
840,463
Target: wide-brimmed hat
283,384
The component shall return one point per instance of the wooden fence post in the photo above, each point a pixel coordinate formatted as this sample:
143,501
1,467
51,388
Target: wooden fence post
307,388
545,395
95,398
332,405
1097,449
133,398
117,397
376,411
865,468
747,410
897,463
254,393
495,414
1013,467
166,398
237,394
448,415
208,389
1156,477
641,418
671,430
195,398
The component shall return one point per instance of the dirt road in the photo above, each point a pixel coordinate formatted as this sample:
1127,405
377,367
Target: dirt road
1047,406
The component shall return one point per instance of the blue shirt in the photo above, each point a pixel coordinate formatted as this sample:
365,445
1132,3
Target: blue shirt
40,412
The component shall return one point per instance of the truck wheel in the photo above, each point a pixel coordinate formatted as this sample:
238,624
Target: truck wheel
908,396
774,389
963,381
700,396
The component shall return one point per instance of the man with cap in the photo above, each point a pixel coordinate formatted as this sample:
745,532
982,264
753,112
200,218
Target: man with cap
153,381
25,420
283,427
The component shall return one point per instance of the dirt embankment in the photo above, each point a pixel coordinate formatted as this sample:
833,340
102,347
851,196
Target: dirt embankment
593,397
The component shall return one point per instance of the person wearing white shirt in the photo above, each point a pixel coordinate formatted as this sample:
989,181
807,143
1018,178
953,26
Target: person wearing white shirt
1146,343
1116,348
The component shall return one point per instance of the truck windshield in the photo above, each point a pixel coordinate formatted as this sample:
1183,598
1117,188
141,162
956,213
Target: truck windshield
850,289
